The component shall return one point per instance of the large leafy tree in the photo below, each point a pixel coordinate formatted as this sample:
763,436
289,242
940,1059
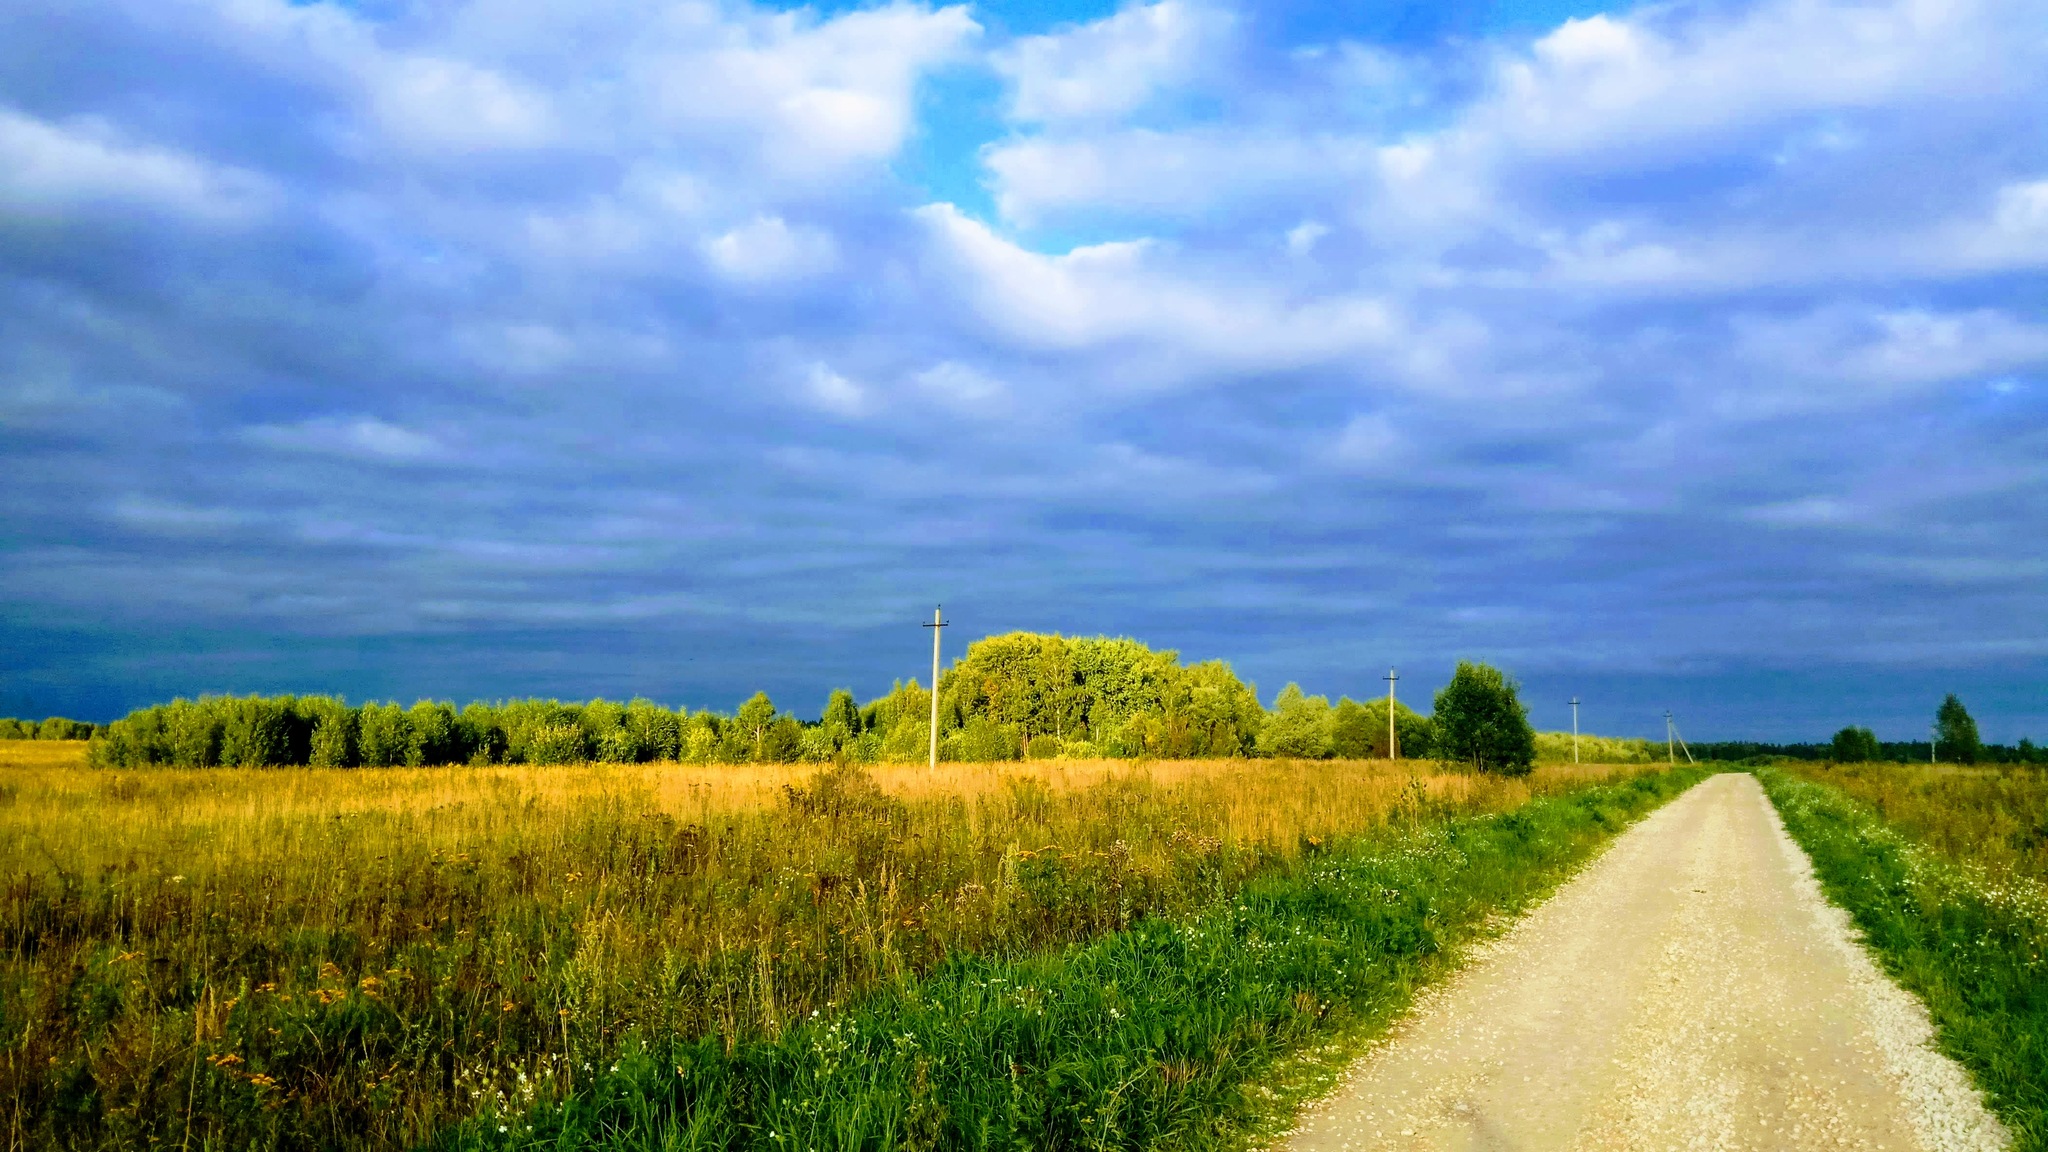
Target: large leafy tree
753,720
1480,721
1853,745
1955,733
1299,725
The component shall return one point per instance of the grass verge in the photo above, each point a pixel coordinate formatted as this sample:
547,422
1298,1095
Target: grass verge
1970,942
1160,1035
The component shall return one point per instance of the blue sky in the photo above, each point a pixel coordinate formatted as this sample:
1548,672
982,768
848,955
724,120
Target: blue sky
1684,356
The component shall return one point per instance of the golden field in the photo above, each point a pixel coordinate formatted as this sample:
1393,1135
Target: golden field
395,948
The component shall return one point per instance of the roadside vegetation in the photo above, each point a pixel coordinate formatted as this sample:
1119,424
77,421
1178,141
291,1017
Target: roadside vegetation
347,959
1945,869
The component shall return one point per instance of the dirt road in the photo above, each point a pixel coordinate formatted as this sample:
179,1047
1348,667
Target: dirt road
1690,990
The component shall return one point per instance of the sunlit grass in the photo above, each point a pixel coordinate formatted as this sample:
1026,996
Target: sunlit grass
1941,868
357,958
1993,816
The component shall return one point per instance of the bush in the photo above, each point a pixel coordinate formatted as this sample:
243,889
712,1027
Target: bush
556,744
1041,748
981,740
1480,721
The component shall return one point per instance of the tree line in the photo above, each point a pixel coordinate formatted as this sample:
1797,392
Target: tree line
1953,739
48,728
1018,696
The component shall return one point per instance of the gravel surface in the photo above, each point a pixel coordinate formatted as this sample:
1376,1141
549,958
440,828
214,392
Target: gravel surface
1691,989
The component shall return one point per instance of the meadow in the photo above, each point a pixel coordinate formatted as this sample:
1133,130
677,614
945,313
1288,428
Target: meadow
1945,869
285,958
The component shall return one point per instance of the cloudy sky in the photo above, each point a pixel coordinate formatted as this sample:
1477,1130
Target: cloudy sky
1675,355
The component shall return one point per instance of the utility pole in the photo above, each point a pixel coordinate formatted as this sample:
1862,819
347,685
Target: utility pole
1575,729
1671,736
937,623
1393,741
1933,738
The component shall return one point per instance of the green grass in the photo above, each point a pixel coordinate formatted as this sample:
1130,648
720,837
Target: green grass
1167,1034
1968,940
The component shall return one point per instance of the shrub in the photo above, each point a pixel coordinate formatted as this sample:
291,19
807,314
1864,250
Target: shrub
1041,748
556,744
1480,721
981,740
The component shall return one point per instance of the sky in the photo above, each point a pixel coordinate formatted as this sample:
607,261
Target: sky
1685,356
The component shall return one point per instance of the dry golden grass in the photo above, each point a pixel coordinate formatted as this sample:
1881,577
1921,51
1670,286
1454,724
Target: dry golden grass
390,946
78,818
1994,816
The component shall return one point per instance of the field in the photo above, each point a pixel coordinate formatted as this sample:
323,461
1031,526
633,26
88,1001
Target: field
1994,818
336,958
1945,869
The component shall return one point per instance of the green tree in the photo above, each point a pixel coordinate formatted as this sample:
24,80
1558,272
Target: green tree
753,720
384,735
1298,726
841,710
1955,733
1853,745
1480,721
333,740
1359,731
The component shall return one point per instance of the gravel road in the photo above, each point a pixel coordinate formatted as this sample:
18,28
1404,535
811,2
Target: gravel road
1691,989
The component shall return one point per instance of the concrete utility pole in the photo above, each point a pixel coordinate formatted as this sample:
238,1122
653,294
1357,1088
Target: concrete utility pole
1393,741
937,623
1933,738
1670,745
1575,729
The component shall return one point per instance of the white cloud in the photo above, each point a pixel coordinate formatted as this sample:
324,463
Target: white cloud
1114,65
833,392
1103,294
1806,512
45,167
1302,238
360,437
813,95
175,517
436,104
962,387
1177,173
1846,357
766,249
1368,441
